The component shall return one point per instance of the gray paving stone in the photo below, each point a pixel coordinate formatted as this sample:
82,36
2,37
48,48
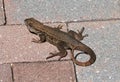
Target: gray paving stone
5,73
44,72
104,39
16,45
2,18
61,10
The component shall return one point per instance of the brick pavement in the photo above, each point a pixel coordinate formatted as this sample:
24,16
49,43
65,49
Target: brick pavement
101,20
23,49
44,72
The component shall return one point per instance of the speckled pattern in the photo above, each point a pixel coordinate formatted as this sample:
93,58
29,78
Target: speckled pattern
61,10
101,19
104,39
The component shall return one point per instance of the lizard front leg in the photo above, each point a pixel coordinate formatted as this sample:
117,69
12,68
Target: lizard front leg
62,52
41,40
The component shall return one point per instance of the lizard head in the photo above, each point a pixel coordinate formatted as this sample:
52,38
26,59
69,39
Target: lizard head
29,22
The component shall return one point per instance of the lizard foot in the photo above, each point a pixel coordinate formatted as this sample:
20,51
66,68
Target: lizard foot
80,33
61,54
59,26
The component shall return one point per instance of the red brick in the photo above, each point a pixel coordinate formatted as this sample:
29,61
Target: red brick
5,73
2,18
62,71
16,46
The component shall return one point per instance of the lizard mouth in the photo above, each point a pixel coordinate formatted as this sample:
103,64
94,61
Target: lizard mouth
32,30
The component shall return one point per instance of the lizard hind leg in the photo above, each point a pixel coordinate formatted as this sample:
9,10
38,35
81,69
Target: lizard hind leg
78,35
62,52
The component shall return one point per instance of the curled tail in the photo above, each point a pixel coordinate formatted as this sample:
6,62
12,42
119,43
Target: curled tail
87,51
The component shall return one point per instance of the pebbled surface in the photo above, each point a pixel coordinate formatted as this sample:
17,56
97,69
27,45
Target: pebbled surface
61,10
104,39
44,72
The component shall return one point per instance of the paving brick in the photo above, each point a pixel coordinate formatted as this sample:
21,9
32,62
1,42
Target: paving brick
61,10
5,73
62,71
2,18
104,39
16,45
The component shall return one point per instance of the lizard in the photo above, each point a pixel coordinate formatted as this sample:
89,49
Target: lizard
64,41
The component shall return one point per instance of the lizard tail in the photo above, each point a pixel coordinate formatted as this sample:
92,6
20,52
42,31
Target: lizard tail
87,51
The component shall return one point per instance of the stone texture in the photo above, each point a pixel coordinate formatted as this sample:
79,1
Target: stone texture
16,45
5,73
61,71
2,18
61,10
104,39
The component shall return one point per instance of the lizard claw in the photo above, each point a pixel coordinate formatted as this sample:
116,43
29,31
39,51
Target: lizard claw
81,31
59,26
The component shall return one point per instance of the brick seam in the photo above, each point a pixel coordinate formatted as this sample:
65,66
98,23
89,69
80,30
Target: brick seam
5,18
12,72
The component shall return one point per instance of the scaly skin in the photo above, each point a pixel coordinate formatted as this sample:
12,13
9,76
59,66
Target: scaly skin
61,40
